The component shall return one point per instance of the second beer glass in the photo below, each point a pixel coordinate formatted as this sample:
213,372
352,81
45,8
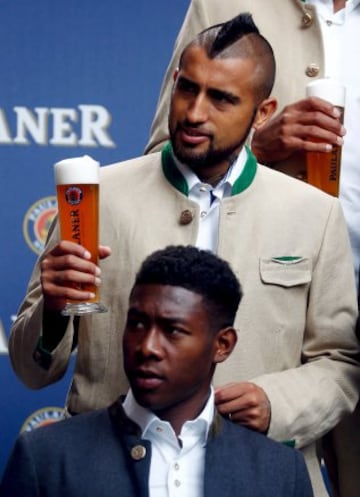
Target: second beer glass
77,186
323,168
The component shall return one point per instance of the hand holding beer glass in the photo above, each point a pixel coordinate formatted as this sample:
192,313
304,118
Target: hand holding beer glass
323,168
77,186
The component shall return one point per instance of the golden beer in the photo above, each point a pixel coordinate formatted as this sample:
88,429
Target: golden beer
323,168
77,188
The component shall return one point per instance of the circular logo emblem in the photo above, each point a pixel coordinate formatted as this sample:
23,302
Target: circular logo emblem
43,417
73,195
37,222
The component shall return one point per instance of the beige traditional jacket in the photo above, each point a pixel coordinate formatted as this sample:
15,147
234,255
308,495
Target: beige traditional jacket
288,244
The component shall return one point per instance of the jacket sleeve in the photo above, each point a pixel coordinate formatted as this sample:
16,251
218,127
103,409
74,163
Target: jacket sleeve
196,20
308,401
33,364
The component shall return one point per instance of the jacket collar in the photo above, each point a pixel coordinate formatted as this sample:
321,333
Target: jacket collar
177,180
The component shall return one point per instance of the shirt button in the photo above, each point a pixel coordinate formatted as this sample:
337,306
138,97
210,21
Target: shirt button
177,483
203,214
159,429
177,466
203,189
328,22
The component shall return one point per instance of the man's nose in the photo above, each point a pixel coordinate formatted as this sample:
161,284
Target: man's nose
198,109
151,344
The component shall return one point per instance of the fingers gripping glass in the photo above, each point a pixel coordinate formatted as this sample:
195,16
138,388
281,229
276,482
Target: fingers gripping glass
77,188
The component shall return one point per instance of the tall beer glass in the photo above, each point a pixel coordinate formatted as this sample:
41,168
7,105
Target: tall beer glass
323,168
77,188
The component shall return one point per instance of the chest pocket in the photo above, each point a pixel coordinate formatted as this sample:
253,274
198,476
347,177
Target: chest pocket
285,271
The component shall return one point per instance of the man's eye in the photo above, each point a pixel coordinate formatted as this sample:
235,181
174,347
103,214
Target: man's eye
186,87
221,97
134,324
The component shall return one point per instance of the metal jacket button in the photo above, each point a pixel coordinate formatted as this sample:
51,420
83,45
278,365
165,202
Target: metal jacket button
312,70
186,217
138,452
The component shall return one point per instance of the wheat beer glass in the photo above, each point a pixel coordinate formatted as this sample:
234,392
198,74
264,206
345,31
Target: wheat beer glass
77,188
323,168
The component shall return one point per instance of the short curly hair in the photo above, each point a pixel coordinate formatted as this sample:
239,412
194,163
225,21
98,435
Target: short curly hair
199,271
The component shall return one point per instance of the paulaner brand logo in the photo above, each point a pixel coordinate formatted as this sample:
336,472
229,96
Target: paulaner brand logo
83,126
43,417
37,222
73,195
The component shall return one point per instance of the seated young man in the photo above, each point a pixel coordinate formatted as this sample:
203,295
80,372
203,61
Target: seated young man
164,437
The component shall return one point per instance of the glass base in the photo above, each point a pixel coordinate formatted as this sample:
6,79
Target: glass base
83,308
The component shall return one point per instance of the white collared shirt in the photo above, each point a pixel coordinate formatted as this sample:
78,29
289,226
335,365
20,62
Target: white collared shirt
177,464
209,199
341,34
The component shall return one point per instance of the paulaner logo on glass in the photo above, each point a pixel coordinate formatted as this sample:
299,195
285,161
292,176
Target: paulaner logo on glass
83,126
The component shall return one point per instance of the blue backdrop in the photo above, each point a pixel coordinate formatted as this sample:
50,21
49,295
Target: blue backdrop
77,77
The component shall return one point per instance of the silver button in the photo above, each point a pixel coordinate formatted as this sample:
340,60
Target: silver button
138,452
312,70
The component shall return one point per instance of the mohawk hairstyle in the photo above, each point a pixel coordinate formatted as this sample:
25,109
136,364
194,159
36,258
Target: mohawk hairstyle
199,271
232,31
240,37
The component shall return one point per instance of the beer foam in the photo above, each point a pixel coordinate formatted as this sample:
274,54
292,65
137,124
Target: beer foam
327,89
77,170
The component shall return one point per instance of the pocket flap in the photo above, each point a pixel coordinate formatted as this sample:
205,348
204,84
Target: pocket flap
285,271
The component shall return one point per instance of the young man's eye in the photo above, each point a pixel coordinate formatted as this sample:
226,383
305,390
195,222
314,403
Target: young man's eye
134,324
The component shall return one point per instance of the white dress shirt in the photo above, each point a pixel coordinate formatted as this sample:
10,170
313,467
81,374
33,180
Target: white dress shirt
177,463
209,199
341,35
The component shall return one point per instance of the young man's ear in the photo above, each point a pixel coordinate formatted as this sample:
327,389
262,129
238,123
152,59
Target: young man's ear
265,111
224,344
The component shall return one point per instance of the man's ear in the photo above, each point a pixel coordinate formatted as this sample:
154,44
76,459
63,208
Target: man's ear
225,342
265,111
175,75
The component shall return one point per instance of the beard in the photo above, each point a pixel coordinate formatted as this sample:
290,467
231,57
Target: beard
212,156
209,158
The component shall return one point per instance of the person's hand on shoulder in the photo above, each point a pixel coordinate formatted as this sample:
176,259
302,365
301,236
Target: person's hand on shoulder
244,403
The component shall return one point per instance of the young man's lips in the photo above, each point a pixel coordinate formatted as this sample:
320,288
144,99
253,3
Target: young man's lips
147,380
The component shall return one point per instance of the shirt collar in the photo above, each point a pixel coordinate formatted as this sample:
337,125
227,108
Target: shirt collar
146,419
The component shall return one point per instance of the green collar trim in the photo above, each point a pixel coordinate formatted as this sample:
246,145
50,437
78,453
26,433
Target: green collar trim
174,176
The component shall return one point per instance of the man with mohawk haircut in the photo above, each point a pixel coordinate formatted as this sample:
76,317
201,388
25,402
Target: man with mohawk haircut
296,373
